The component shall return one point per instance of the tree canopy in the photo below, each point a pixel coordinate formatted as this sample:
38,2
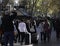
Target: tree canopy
34,7
45,6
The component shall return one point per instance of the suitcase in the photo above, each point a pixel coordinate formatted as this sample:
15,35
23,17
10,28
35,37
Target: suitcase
34,38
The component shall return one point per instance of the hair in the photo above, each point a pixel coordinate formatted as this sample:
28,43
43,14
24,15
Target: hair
21,20
14,13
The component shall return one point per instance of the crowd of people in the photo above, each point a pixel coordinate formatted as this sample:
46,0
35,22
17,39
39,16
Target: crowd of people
47,26
13,29
19,29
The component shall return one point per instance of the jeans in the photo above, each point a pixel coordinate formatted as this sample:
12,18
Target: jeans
46,36
42,34
22,36
8,37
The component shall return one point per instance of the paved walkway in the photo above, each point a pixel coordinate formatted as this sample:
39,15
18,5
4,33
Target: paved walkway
53,42
18,44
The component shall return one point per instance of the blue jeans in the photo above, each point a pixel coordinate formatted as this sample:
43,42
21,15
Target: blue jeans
8,37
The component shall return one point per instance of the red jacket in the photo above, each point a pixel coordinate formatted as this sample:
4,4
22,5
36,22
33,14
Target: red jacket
46,27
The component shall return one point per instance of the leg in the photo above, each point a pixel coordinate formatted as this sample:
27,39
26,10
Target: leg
57,35
45,37
15,38
27,40
48,35
22,37
18,37
5,38
11,38
41,35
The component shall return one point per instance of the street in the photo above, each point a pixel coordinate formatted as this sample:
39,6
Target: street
53,42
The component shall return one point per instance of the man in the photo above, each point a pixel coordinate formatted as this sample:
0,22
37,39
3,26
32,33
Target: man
22,29
41,30
46,30
8,28
57,27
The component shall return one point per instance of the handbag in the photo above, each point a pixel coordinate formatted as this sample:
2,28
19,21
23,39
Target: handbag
32,29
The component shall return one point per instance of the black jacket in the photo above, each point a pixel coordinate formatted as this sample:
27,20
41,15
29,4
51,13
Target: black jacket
7,23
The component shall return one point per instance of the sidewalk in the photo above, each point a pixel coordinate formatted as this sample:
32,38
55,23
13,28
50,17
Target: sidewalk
18,44
53,41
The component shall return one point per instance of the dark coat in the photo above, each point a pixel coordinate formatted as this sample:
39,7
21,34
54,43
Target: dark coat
7,23
57,25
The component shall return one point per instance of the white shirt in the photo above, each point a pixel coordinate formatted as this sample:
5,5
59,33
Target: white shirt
41,27
22,27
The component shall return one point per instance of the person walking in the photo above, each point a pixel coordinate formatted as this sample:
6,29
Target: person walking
41,30
57,27
46,30
22,28
8,28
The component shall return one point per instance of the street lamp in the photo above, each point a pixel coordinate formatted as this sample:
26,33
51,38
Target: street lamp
16,2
